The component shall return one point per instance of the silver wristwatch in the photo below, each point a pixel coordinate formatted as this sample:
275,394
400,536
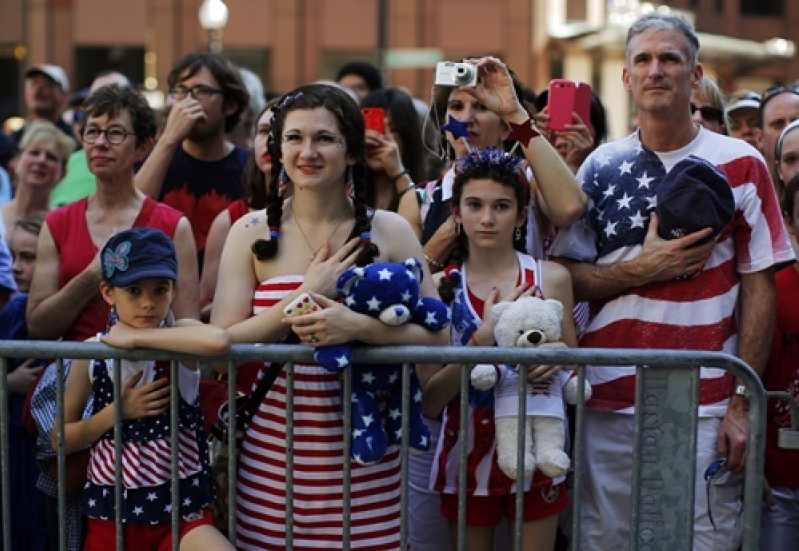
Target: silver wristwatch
742,390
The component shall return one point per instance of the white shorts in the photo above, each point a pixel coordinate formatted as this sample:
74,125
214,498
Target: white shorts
605,498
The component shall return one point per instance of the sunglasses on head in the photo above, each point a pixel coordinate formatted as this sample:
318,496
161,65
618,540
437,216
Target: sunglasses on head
708,113
776,91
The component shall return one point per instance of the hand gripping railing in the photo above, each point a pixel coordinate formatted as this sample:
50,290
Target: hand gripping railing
665,438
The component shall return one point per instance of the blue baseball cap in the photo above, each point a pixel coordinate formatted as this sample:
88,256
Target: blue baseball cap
138,253
692,196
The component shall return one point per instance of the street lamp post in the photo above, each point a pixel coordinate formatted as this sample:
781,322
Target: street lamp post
213,18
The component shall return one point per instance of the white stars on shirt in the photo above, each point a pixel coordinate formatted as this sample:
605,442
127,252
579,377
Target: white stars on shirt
637,221
625,167
644,181
624,202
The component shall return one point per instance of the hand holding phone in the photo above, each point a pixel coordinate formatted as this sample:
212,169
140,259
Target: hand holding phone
565,98
374,118
301,305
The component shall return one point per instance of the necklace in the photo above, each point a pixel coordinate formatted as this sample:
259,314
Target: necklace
305,237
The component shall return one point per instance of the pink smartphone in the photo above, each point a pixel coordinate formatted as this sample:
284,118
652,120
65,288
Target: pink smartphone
374,118
567,97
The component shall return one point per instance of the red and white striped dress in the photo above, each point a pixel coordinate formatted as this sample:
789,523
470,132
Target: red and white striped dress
317,469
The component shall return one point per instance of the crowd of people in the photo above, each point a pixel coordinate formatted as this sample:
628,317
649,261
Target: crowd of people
192,229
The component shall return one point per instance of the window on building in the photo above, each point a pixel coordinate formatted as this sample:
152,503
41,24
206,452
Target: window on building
92,60
763,7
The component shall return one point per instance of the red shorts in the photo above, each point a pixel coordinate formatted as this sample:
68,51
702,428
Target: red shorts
486,511
157,537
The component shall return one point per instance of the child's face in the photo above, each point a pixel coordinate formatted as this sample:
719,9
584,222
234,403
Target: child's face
489,213
23,251
143,304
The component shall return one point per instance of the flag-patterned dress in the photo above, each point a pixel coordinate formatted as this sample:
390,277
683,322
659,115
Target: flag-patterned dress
318,465
621,181
146,455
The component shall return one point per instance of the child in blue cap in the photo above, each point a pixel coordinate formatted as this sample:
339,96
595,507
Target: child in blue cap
139,273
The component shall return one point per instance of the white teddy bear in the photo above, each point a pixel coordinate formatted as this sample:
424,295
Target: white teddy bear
529,321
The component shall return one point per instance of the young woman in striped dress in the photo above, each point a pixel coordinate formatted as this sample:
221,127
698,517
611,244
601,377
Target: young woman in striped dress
301,244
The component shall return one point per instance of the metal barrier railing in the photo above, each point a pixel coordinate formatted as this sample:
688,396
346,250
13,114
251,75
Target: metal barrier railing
667,396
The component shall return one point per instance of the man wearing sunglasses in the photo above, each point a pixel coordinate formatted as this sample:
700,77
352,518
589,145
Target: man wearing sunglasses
780,106
194,167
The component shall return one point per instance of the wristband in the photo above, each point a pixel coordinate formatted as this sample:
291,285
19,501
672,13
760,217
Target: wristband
398,176
434,263
524,132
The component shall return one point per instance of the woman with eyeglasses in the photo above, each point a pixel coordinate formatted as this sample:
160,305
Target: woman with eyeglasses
707,106
64,299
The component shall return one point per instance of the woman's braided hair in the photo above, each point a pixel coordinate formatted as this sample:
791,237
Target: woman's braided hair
494,164
350,124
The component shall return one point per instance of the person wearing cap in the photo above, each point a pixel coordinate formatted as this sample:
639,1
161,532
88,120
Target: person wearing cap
194,167
46,90
139,271
693,291
64,300
743,114
360,77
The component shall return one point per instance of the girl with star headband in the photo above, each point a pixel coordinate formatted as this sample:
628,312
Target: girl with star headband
493,114
489,196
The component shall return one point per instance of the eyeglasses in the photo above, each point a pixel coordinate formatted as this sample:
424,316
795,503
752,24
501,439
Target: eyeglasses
708,113
198,92
114,136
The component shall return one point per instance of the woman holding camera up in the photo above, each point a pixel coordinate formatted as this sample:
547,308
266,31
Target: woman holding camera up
492,114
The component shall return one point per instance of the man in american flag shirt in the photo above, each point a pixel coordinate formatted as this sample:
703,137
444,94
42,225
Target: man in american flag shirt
639,295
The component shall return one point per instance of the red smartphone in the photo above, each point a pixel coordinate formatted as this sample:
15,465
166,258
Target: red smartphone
567,97
374,118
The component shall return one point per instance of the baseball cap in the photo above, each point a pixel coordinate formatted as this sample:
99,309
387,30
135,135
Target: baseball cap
53,72
694,195
743,100
138,253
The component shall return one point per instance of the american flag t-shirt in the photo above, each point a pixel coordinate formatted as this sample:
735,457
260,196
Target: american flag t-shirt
621,182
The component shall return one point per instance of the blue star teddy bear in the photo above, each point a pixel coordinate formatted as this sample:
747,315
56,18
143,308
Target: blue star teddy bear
391,292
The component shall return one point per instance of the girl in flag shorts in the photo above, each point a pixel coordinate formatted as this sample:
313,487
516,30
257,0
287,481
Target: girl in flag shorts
139,269
490,195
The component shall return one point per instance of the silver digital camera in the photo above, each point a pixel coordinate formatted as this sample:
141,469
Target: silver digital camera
449,73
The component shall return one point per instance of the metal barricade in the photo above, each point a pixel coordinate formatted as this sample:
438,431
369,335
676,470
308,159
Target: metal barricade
667,397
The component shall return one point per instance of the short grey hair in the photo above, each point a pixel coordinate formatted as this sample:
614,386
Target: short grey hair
665,22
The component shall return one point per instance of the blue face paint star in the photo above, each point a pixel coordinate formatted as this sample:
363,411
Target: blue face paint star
457,128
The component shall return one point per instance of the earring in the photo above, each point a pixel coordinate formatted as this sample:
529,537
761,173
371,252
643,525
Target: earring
457,229
113,318
350,188
282,182
518,233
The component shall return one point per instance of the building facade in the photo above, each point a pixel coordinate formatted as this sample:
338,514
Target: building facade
289,42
